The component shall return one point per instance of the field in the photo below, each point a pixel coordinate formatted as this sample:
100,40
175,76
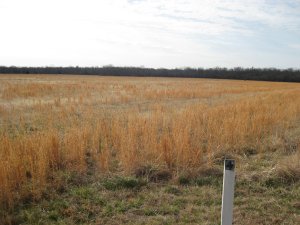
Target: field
125,150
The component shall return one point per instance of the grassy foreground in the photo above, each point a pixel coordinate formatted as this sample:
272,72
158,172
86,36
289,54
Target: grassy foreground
267,192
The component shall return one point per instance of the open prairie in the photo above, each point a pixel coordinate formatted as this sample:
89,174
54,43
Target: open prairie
117,150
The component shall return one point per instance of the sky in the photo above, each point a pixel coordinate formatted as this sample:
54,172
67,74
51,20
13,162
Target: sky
150,33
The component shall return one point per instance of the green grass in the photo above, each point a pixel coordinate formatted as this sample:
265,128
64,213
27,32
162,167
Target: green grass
118,183
125,201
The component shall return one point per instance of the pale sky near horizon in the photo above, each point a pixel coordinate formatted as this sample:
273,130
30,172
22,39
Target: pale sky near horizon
153,33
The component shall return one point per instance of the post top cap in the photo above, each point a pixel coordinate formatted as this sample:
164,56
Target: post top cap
229,164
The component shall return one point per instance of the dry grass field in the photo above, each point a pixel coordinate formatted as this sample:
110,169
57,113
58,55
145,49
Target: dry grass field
125,150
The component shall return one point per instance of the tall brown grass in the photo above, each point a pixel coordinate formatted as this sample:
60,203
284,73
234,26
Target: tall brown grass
288,170
121,124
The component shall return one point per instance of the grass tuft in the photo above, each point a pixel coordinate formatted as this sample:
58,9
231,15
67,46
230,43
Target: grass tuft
118,183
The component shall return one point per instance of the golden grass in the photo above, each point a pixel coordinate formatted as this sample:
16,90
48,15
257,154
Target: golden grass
52,123
288,169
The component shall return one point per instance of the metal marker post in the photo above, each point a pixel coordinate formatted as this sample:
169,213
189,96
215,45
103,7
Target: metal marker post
228,192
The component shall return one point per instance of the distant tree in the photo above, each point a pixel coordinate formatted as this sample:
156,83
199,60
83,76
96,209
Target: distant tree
266,74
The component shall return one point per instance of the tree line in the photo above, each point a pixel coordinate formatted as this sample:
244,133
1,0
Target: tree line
238,73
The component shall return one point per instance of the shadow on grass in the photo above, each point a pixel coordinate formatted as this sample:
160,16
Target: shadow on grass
118,183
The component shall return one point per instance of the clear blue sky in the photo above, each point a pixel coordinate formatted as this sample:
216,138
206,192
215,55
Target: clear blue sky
153,33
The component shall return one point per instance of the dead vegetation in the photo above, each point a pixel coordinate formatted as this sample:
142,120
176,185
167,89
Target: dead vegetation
154,128
288,169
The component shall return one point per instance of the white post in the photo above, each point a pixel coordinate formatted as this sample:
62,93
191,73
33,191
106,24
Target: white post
228,192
